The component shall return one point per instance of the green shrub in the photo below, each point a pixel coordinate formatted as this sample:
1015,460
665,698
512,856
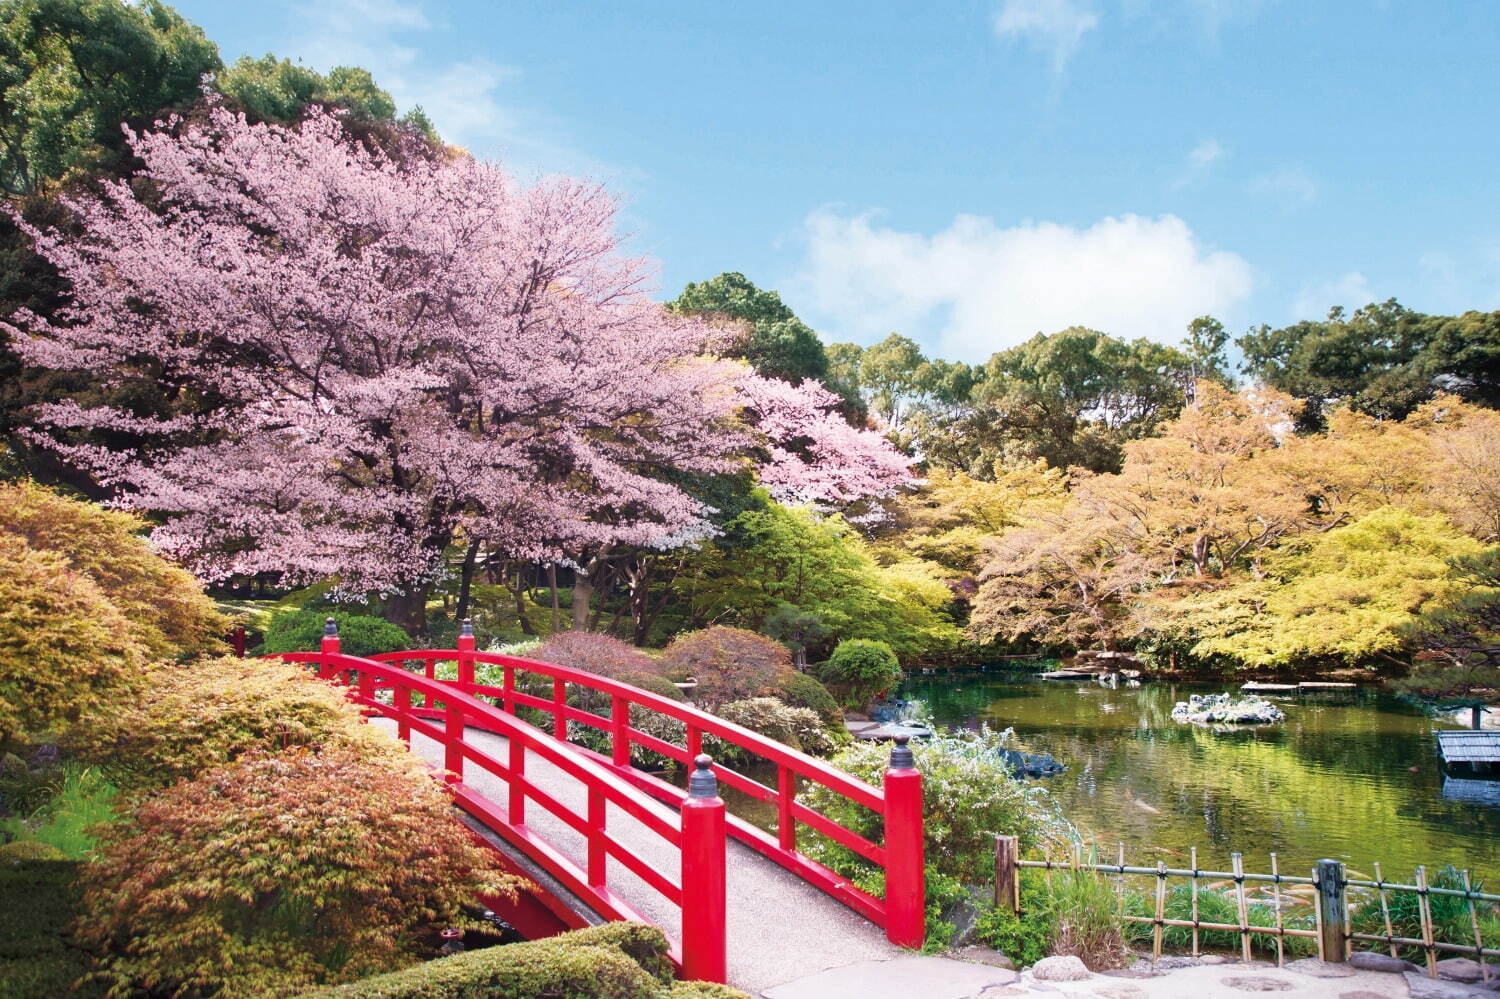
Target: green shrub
205,714
38,905
1086,914
798,728
359,634
613,961
28,849
969,797
730,664
803,691
281,872
866,669
1024,937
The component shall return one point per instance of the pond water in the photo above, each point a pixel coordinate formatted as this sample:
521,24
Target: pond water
1353,776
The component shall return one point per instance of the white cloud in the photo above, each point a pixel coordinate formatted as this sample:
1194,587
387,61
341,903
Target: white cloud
1052,26
1350,290
1205,153
978,287
1288,184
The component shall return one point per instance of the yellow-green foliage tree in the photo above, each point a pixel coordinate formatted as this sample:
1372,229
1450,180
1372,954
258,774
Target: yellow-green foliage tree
281,872
65,649
948,518
163,605
212,711
1353,594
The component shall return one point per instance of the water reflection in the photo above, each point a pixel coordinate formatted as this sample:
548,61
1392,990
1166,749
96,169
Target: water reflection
1347,775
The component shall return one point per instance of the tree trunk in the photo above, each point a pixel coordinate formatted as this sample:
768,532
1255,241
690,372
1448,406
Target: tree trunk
583,591
409,609
552,582
520,591
461,611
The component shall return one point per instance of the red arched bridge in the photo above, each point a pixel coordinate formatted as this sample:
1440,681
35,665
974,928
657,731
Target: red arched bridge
605,840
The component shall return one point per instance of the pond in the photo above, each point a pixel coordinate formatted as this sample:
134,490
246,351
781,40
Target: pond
1349,775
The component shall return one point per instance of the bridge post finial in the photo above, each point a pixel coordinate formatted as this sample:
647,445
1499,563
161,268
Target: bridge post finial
704,926
703,783
466,653
902,757
330,627
466,629
331,645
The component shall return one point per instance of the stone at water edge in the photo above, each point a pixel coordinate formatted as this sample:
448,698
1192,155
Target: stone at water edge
1227,709
980,954
1423,987
1062,968
1369,960
1318,968
1463,969
1257,983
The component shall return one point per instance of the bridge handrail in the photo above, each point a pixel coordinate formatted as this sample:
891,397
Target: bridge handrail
459,711
901,913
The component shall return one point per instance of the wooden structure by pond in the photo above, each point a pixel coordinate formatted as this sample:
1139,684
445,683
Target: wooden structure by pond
1477,750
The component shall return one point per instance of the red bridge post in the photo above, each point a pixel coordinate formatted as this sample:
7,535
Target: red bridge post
330,647
466,656
704,926
905,875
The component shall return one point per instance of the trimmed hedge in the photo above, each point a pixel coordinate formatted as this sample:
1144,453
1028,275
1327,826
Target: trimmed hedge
801,690
613,961
359,634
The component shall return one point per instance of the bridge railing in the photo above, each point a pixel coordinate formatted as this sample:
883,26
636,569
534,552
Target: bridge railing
443,712
898,802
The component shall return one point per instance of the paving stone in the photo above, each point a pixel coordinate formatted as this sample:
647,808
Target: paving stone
1321,969
1120,991
898,978
1363,994
1423,987
1213,959
1061,968
983,955
1369,960
1257,983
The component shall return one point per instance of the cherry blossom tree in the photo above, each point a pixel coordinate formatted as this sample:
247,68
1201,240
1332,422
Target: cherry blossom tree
352,360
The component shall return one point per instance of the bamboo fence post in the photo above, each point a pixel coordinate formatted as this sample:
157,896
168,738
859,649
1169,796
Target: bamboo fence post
1194,882
1161,908
1424,906
1484,967
1276,907
1318,918
1385,909
1244,911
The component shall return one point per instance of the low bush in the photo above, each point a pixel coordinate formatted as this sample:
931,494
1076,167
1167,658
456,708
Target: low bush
359,634
596,653
613,961
798,728
204,714
969,797
281,872
166,610
1449,913
1024,937
38,906
864,668
65,649
730,664
803,691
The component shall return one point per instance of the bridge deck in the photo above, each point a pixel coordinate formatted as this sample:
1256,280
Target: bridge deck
779,927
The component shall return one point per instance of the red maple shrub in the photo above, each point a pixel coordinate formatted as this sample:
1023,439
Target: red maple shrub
730,664
596,653
281,872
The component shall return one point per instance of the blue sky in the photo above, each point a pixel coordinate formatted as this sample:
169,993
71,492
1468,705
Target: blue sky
971,172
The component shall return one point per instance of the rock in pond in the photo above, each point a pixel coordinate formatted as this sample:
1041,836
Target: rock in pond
1227,709
1062,968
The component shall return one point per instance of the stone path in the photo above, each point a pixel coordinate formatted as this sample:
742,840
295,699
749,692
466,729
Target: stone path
780,927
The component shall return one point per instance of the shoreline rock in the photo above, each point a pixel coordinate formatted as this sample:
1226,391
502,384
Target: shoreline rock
1227,709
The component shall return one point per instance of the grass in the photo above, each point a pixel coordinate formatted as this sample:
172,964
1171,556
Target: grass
84,800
